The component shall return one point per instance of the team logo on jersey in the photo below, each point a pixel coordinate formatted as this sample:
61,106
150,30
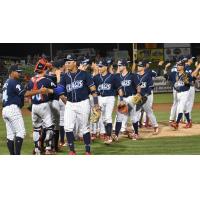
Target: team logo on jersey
126,83
74,85
18,87
104,86
143,84
178,84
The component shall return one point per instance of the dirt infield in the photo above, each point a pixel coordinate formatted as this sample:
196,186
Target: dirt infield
167,131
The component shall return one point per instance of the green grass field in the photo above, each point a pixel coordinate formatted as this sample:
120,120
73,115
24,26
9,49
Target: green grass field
168,145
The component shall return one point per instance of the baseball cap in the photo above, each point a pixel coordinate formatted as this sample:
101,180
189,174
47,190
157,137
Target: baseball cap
71,57
123,62
58,63
102,63
109,61
141,64
185,58
181,63
85,61
14,68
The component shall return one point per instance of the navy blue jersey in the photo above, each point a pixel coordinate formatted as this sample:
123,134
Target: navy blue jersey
13,93
37,83
76,85
53,78
129,83
177,81
151,72
107,85
146,83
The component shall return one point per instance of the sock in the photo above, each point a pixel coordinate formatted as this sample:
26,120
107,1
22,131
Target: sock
87,139
118,126
135,127
10,145
187,116
70,140
62,134
43,136
18,145
56,138
180,115
108,128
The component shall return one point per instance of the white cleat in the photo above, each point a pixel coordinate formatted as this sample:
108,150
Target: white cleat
108,140
156,131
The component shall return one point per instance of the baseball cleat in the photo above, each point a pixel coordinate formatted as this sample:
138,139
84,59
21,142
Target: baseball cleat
130,135
108,140
63,144
136,137
88,153
93,137
155,131
72,153
48,152
36,151
115,138
188,125
174,125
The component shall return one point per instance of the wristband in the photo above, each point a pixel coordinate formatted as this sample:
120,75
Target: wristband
95,99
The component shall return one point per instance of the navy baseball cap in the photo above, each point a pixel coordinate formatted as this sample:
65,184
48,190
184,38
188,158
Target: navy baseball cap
181,63
123,62
109,61
85,61
15,68
188,57
103,63
58,63
141,64
71,57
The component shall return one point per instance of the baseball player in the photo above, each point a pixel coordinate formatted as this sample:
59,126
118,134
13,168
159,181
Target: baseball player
181,82
146,84
130,87
13,101
153,74
53,73
107,86
41,110
188,62
77,85
173,112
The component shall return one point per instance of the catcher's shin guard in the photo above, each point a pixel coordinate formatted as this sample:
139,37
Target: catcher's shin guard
36,139
48,138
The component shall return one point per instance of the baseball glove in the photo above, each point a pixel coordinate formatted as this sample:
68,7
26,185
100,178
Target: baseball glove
122,108
95,115
139,102
185,78
137,99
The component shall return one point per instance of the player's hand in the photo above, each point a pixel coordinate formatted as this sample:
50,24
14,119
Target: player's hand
44,90
57,72
167,65
63,98
97,107
161,63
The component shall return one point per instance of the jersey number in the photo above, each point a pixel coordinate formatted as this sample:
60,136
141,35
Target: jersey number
5,96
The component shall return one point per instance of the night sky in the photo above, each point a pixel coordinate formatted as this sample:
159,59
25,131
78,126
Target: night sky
24,49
